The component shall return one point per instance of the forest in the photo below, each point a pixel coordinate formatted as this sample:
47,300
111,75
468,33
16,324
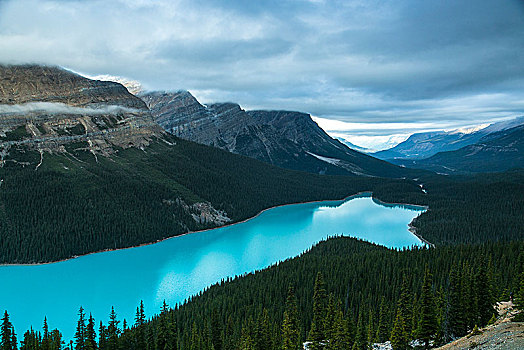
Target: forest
127,199
341,294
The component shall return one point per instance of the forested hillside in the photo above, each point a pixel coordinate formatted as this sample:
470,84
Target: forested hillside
76,202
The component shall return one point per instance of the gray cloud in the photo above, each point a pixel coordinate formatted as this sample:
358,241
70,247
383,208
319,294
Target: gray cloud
61,108
447,63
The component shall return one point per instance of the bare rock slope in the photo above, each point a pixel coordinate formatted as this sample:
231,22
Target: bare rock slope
46,108
284,138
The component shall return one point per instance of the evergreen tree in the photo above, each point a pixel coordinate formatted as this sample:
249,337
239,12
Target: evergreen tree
55,340
484,300
229,332
329,322
361,339
340,339
90,334
290,325
45,336
216,330
166,338
80,334
31,340
399,336
102,337
246,340
7,334
427,324
519,299
196,339
263,335
405,304
140,320
317,333
371,328
455,307
113,332
382,328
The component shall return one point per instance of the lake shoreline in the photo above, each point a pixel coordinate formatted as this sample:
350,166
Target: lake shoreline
361,194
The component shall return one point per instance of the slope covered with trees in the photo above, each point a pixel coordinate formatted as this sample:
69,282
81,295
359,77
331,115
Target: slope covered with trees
74,203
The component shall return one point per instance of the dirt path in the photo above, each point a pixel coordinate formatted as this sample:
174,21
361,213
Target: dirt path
504,334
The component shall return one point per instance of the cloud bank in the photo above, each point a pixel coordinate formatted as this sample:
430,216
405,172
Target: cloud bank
446,63
54,108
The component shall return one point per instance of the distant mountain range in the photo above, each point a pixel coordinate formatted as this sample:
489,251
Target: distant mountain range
427,144
497,151
284,138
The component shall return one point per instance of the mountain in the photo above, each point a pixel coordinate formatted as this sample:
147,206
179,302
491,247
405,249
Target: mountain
287,139
84,168
46,108
427,144
495,152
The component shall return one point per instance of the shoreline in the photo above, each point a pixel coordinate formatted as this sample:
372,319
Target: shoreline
360,194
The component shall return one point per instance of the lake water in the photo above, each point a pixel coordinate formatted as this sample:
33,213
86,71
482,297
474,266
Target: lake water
177,268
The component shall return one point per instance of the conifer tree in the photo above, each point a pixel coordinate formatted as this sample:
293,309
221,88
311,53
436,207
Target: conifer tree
216,330
340,339
55,340
382,328
405,304
45,336
519,299
196,339
290,325
371,328
90,334
399,336
31,340
352,330
455,307
113,332
263,338
80,334
166,337
361,338
329,322
484,300
7,334
246,340
140,319
317,333
427,324
229,331
102,337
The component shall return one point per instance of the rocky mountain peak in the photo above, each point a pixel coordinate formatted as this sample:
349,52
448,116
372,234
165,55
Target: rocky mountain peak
47,108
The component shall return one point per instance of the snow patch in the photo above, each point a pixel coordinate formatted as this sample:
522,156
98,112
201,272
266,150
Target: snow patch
333,161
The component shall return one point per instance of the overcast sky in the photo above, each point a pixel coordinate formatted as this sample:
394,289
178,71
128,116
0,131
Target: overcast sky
379,67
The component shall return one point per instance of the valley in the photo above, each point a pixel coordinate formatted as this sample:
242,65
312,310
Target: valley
86,167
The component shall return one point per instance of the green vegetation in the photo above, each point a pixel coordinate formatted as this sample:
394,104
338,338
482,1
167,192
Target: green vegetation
75,203
347,290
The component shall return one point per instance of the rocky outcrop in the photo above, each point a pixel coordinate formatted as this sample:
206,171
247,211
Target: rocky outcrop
283,138
47,108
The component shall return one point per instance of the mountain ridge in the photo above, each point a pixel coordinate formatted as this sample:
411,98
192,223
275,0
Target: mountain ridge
426,144
284,138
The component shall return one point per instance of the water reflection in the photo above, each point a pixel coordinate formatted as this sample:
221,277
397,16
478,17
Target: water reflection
177,268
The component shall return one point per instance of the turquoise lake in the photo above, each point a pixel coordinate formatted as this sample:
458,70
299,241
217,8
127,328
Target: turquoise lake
179,267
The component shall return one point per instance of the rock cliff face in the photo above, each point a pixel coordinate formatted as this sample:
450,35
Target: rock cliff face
283,138
48,107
